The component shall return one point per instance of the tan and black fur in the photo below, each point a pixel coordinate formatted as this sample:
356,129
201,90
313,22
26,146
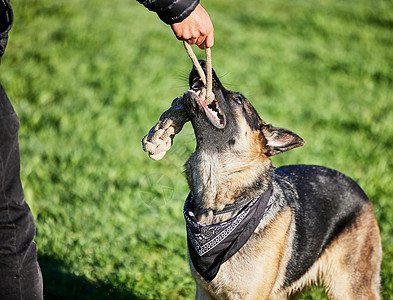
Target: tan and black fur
320,229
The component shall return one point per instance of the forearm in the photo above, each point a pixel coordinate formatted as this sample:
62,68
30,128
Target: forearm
171,11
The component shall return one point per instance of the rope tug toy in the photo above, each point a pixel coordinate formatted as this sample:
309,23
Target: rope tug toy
160,137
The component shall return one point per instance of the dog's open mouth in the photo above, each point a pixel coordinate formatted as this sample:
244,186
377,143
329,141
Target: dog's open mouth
213,110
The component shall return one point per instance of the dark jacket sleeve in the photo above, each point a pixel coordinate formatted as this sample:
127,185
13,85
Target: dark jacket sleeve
171,11
6,19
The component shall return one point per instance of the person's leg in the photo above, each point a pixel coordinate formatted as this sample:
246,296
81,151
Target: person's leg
20,275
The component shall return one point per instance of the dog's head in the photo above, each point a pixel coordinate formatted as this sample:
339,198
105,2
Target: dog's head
233,145
231,124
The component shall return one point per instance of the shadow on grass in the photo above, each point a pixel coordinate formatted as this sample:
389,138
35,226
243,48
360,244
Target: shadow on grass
58,284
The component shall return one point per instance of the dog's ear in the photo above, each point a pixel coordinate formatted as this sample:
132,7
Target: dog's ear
279,140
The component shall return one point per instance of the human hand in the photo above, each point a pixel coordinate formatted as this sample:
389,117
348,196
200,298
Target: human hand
197,29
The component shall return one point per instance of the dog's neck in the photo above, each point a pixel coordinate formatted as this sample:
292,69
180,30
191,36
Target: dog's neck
217,179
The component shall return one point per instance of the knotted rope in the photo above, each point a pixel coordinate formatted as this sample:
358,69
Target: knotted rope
160,137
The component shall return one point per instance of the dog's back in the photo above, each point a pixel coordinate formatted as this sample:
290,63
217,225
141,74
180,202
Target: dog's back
337,236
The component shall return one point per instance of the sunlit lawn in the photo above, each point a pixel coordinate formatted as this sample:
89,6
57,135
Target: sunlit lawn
89,78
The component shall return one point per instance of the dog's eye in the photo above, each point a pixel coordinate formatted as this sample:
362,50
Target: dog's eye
238,100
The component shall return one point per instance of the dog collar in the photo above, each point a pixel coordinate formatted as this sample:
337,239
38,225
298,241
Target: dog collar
211,245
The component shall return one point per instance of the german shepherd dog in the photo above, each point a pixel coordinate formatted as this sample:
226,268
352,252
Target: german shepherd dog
306,224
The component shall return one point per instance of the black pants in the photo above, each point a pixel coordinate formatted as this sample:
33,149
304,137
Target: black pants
20,274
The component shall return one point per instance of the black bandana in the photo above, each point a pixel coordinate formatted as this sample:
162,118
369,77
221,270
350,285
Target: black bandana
211,245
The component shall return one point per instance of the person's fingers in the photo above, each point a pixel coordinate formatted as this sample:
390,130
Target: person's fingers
200,41
202,46
209,40
190,35
205,41
207,32
183,32
192,41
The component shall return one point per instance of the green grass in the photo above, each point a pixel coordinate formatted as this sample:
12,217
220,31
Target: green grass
89,78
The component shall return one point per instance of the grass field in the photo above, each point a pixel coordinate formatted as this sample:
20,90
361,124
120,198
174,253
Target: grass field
89,78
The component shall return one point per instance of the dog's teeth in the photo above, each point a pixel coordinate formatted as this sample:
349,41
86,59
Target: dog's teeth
215,115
